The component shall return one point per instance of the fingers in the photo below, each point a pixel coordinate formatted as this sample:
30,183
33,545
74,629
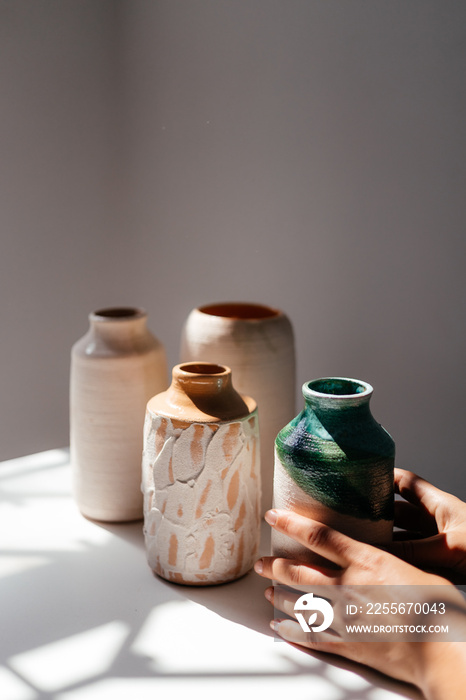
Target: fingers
294,573
282,599
326,641
418,491
291,631
317,537
414,518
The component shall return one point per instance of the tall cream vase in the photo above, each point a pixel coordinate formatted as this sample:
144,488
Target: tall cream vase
257,343
115,368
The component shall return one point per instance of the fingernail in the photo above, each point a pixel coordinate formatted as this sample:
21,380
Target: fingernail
269,594
274,624
258,566
271,517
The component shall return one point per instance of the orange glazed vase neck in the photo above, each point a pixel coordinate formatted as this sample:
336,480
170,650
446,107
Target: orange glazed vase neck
202,392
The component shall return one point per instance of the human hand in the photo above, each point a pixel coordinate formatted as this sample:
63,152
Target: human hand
433,666
435,525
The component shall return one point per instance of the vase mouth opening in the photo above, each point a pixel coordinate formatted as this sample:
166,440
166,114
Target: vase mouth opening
205,368
242,311
337,388
118,313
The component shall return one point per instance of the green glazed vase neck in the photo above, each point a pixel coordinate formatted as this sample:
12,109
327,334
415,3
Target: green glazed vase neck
336,393
335,407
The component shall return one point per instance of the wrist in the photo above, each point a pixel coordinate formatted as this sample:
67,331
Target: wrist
442,672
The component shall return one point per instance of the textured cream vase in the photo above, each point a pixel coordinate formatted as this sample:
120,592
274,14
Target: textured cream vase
257,343
115,368
201,478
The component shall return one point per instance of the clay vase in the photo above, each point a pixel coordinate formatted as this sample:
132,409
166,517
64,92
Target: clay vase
115,368
334,463
201,478
257,343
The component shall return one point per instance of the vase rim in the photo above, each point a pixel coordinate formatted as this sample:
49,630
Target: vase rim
202,392
118,314
201,369
337,390
240,311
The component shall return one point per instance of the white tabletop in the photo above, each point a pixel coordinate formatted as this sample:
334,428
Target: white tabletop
83,617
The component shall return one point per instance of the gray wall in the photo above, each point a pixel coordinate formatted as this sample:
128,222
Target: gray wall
309,154
62,246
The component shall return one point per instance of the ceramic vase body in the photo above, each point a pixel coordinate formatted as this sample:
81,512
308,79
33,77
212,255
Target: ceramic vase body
201,478
257,343
334,463
115,368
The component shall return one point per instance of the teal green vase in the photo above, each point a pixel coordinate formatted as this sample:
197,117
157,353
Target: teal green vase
334,463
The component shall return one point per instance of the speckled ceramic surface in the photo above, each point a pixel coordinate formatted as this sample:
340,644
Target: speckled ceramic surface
201,478
334,463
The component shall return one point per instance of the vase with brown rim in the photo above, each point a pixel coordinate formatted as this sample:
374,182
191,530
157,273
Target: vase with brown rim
201,478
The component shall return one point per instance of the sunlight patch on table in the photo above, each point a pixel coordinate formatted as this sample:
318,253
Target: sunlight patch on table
383,694
346,678
10,565
13,688
72,660
53,521
45,472
226,687
166,639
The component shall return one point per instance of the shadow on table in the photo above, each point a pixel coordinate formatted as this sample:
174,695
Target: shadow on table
79,605
243,602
